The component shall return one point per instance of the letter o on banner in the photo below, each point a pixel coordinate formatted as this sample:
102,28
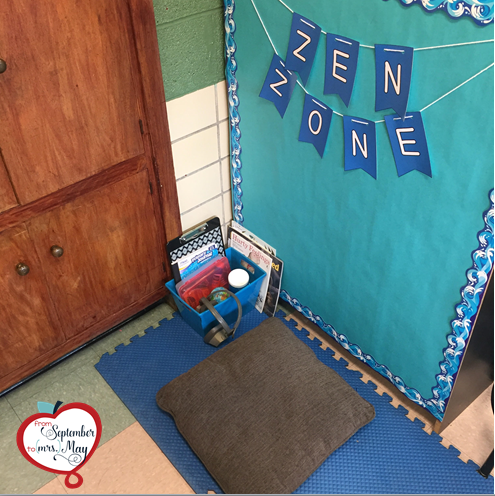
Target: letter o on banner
310,120
315,123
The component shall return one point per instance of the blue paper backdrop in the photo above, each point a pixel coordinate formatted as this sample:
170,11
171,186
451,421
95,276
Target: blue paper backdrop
381,260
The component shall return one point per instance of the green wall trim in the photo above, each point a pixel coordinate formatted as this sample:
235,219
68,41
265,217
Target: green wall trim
172,10
191,43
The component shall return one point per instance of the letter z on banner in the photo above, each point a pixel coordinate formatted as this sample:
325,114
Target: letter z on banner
279,85
303,41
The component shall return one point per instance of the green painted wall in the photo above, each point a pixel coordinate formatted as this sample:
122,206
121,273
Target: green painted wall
191,41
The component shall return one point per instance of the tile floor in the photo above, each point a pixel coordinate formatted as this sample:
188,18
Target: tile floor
127,460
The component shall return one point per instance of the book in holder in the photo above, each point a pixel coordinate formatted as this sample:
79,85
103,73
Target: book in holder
203,282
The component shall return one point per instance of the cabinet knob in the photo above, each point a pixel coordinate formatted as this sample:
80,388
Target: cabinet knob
3,66
57,251
22,269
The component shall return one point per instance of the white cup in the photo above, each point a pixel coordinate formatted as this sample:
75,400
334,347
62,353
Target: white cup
238,278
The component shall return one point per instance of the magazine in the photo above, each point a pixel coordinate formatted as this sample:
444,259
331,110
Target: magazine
270,288
274,286
259,257
192,262
261,244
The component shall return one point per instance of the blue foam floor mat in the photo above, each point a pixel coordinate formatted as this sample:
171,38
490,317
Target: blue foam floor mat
390,455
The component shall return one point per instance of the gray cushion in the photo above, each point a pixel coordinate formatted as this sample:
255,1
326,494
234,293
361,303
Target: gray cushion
263,413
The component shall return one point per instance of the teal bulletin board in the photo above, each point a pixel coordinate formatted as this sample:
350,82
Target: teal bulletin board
377,263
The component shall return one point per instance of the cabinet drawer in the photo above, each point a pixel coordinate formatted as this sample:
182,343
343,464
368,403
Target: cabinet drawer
111,253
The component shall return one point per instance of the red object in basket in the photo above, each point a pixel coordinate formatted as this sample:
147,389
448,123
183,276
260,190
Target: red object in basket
201,285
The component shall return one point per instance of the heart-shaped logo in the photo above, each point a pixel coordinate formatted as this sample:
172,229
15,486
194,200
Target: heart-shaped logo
61,442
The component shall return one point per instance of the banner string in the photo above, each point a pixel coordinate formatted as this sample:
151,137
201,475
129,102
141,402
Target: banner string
428,48
263,24
286,6
416,49
455,45
457,87
305,91
439,46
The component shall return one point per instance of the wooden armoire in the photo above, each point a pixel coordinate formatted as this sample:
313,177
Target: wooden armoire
87,188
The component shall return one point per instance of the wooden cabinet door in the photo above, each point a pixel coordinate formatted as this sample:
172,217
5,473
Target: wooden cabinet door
28,326
112,257
7,195
69,105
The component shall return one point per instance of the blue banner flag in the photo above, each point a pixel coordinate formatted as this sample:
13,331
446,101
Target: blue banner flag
279,85
408,141
360,145
315,123
340,66
393,77
303,41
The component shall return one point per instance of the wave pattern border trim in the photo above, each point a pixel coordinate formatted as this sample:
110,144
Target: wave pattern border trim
467,310
235,133
480,10
472,296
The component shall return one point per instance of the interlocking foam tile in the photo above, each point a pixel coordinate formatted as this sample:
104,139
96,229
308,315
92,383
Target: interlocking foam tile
389,455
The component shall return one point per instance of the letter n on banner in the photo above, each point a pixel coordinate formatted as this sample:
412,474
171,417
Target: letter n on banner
303,41
315,123
360,145
393,65
408,142
279,85
340,66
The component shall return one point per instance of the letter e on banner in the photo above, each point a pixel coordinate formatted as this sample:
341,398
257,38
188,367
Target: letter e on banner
279,85
403,142
340,66
303,41
408,140
360,145
315,123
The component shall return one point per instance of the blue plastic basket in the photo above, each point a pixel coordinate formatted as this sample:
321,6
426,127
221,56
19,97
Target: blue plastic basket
203,322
